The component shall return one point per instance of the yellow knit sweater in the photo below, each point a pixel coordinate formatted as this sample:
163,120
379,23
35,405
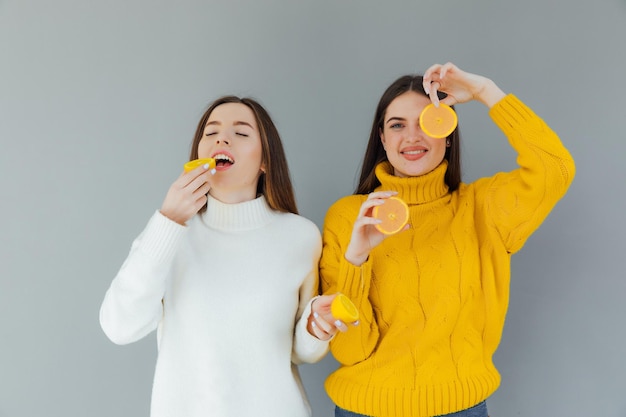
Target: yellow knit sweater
433,299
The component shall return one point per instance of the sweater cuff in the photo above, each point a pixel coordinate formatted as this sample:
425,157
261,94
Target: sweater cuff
354,281
308,348
160,238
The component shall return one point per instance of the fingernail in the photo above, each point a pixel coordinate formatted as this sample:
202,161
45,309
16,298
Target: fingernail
205,166
213,171
356,323
313,324
315,314
338,323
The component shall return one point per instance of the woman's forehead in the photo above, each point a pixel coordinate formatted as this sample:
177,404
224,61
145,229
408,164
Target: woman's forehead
232,114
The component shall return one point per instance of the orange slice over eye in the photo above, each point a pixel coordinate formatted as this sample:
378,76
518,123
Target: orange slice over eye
394,214
438,122
191,165
343,309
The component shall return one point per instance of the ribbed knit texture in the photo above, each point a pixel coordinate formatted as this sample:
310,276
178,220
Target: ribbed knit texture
224,293
433,299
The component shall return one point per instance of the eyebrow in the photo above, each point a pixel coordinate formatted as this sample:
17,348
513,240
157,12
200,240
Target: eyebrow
402,119
237,123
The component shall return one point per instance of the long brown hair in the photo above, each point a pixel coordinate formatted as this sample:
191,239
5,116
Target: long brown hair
275,182
375,153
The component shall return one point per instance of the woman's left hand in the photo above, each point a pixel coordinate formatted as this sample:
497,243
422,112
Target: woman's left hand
321,323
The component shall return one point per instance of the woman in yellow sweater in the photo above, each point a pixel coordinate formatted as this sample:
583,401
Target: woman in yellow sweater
433,297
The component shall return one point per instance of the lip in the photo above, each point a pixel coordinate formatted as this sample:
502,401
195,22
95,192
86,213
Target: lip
223,167
413,153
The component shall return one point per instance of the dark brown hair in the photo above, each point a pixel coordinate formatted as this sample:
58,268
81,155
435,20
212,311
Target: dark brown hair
275,182
375,153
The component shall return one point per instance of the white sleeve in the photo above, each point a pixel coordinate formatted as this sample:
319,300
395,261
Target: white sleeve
132,306
306,347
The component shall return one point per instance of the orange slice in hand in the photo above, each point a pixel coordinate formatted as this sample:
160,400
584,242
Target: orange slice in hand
191,165
394,214
343,309
438,122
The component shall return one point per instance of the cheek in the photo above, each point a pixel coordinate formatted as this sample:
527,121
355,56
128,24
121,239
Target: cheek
250,155
391,140
203,149
256,152
439,147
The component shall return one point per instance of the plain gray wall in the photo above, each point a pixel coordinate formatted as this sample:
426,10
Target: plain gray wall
98,103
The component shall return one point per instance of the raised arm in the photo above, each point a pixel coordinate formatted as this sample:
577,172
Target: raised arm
517,202
340,275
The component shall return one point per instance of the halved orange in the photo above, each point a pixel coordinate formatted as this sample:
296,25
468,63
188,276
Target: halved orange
343,309
191,165
438,122
394,214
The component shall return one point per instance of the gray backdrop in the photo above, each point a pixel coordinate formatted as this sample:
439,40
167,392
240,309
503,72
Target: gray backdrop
98,103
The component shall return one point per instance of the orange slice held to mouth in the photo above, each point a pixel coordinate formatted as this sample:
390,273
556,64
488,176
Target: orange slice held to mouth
394,214
191,165
438,122
343,309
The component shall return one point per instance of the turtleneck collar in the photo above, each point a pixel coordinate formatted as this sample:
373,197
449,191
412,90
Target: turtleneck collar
248,215
414,190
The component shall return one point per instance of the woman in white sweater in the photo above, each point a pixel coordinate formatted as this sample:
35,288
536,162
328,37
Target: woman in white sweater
226,272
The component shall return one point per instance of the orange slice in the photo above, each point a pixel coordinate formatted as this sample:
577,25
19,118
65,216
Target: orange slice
191,165
438,122
343,309
394,214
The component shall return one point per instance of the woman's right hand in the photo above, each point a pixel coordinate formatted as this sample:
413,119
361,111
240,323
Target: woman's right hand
187,195
365,236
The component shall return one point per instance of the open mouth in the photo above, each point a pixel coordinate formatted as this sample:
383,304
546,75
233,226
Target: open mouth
223,160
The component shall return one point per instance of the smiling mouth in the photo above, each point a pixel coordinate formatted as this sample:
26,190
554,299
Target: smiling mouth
416,152
222,160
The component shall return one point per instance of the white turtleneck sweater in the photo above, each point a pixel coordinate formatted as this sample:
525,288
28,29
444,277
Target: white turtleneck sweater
226,294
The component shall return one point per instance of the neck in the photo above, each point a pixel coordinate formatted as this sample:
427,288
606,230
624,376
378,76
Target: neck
247,215
414,190
233,197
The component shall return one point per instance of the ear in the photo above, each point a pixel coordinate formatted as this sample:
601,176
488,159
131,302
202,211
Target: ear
382,137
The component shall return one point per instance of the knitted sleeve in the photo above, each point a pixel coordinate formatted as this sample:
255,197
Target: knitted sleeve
517,202
132,306
306,347
339,275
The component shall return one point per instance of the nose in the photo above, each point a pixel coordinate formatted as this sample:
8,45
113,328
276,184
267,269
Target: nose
222,138
415,132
